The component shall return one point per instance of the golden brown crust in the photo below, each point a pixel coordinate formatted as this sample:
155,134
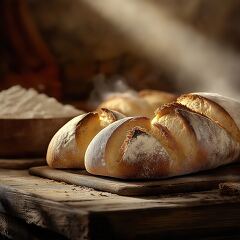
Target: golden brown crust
165,96
186,136
146,166
171,145
212,110
59,153
128,105
142,104
178,140
68,146
172,117
157,98
114,145
107,116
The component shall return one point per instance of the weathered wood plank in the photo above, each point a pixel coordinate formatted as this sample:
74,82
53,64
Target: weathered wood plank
186,200
88,213
211,222
55,216
86,198
48,189
14,228
196,182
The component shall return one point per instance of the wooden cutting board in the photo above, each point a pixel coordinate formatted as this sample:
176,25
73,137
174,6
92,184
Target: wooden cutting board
196,182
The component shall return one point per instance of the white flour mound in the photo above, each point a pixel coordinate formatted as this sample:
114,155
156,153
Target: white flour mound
18,102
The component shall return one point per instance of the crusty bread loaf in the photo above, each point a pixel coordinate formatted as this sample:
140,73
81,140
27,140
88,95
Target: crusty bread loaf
128,105
142,104
199,131
67,147
220,109
157,98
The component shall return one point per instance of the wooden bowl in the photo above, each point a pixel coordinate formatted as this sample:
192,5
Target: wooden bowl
27,137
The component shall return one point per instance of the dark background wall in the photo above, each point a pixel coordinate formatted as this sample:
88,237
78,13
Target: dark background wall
59,46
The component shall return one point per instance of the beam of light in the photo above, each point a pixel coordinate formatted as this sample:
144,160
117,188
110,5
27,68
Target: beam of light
195,60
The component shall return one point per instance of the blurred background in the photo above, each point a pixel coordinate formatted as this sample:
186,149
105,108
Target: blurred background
60,47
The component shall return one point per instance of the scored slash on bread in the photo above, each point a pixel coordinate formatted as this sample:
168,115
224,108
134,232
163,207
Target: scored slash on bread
67,147
197,132
217,108
126,149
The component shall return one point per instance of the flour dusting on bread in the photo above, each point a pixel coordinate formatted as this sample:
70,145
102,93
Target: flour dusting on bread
143,147
214,140
63,145
65,138
230,105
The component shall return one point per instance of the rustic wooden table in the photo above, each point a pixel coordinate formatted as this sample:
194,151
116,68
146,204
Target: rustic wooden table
46,209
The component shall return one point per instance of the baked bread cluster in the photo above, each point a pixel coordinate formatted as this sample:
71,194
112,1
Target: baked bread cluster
196,132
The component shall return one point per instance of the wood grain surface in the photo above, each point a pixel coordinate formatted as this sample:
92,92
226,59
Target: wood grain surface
29,138
83,213
196,182
14,228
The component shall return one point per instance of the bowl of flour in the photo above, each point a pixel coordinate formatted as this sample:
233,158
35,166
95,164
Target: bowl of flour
29,120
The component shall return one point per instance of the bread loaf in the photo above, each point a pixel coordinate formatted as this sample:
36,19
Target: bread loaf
67,147
142,104
199,131
156,98
128,105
